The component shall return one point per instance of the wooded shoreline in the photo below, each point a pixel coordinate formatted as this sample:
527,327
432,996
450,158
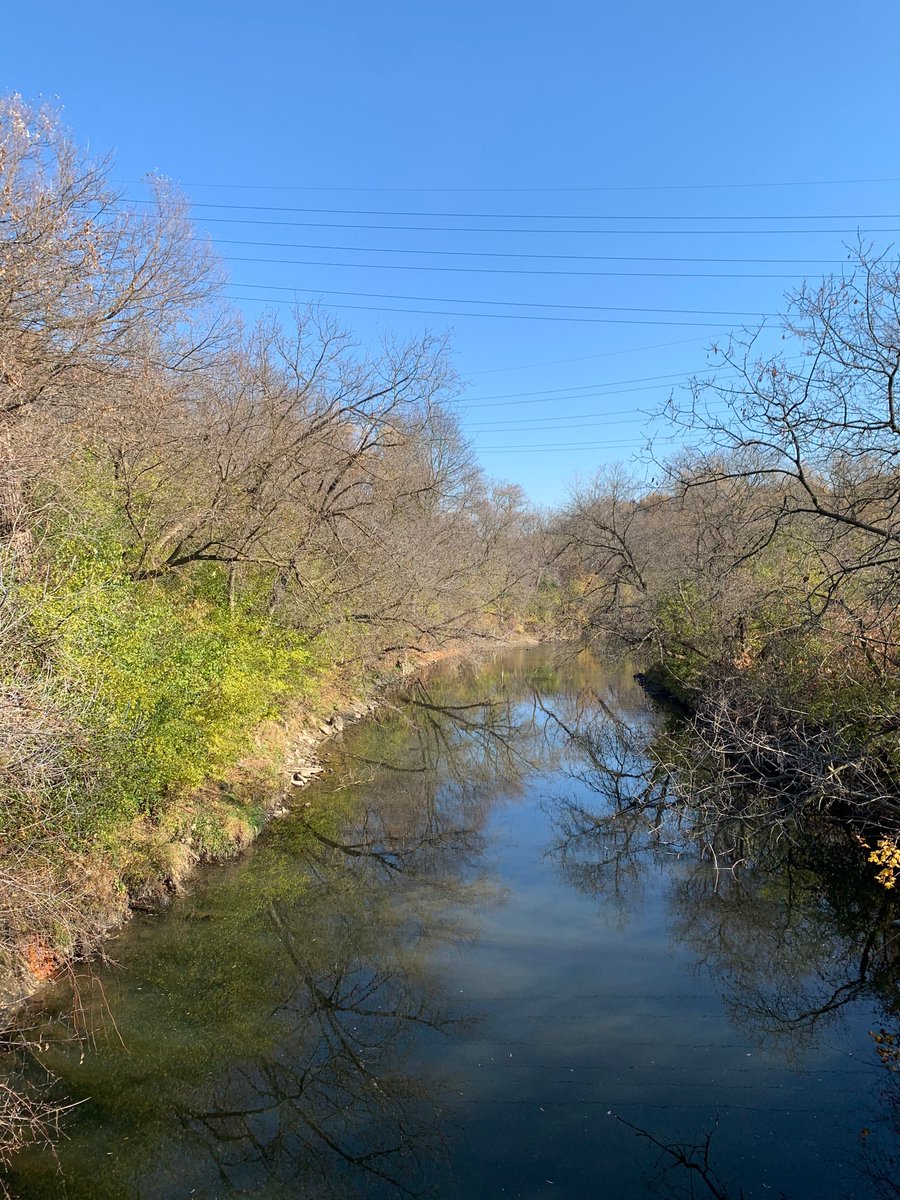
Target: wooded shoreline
217,536
267,784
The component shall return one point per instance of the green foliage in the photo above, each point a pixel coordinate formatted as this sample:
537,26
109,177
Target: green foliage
177,682
547,605
684,630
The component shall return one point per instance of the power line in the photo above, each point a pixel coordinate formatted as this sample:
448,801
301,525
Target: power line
480,229
270,287
500,399
654,187
546,447
506,216
568,447
308,262
653,387
559,362
431,312
519,426
477,401
563,447
522,254
575,421
548,395
629,415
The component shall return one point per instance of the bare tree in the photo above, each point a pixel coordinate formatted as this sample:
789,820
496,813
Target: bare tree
818,445
88,288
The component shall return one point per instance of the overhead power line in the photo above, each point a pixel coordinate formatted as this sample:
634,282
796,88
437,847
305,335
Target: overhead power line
309,262
650,387
559,362
721,372
581,387
431,312
530,425
622,416
616,441
600,188
548,446
477,434
507,216
270,287
821,262
629,416
482,229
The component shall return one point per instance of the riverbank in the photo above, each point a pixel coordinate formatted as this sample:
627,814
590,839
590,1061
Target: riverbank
224,815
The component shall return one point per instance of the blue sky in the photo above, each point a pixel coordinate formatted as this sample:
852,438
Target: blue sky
533,177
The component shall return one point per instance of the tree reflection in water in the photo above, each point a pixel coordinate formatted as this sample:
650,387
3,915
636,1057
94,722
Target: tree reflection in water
288,1028
270,1051
784,917
330,1106
333,1105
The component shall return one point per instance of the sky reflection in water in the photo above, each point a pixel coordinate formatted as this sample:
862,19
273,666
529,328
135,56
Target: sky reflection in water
444,975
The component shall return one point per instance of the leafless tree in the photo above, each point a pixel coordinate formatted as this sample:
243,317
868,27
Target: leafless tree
818,445
88,288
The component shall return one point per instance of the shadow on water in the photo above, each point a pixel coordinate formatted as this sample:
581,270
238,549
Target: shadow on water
489,928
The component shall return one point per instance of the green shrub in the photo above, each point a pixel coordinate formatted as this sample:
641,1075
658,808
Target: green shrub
177,682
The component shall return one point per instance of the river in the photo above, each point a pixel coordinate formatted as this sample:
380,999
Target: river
448,972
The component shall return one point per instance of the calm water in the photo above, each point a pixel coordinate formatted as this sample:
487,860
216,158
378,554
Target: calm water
448,975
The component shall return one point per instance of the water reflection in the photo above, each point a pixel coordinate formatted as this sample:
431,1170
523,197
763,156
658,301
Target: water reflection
785,919
254,1039
492,923
328,1106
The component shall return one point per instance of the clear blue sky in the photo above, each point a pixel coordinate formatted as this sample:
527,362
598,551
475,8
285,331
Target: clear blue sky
508,110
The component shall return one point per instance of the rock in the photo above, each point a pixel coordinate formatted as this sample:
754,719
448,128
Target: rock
302,775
